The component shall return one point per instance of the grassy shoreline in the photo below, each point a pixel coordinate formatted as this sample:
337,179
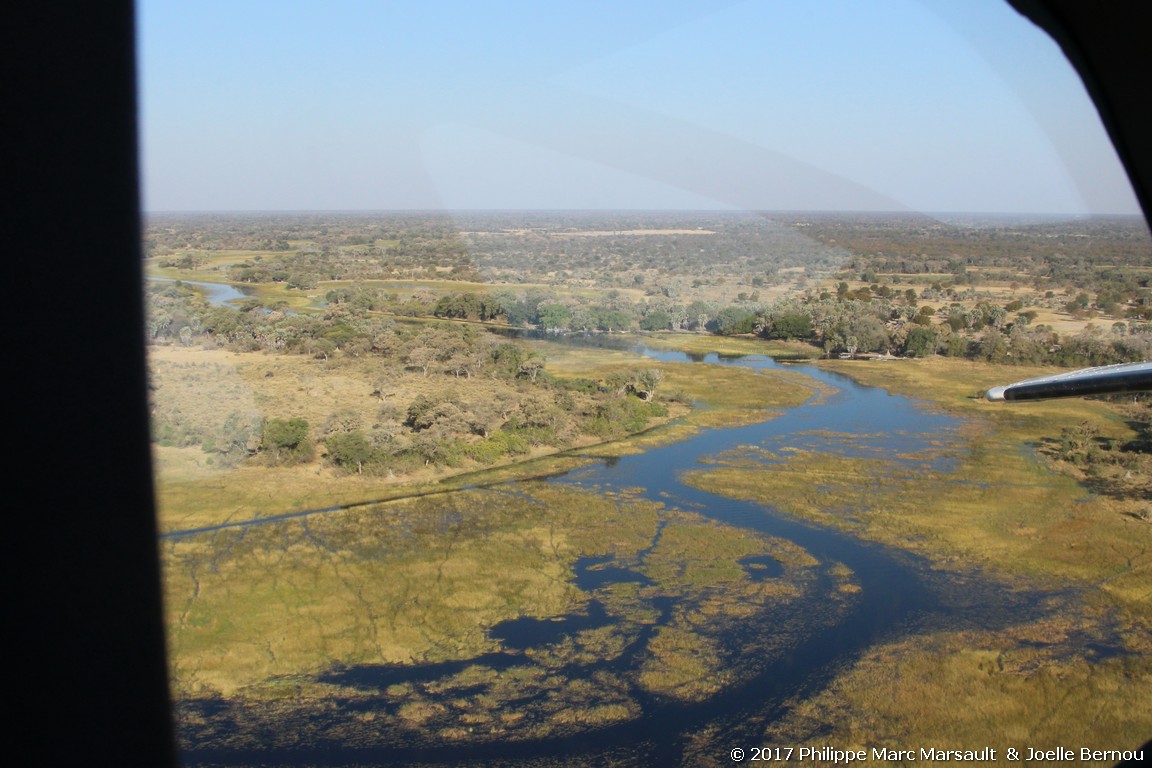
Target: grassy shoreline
193,494
1006,509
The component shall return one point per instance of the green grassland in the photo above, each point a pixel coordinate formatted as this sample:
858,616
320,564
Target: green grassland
700,343
206,265
957,690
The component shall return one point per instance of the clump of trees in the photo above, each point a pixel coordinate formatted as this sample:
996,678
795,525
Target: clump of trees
228,441
871,319
286,441
520,406
884,321
453,426
1121,469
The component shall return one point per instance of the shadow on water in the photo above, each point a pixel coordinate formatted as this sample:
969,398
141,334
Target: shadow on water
524,633
896,593
593,573
381,676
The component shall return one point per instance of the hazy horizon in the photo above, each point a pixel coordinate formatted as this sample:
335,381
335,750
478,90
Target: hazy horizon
660,211
897,106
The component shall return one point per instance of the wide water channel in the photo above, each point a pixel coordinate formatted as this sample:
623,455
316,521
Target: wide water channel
892,593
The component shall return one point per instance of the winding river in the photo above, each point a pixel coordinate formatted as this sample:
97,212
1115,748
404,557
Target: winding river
897,592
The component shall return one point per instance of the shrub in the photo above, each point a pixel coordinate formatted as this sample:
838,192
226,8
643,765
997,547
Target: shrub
285,441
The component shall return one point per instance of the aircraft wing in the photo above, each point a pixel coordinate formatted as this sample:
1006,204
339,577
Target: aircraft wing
1102,380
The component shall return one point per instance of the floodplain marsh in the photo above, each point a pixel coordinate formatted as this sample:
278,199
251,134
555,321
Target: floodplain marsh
391,614
1000,511
491,544
393,624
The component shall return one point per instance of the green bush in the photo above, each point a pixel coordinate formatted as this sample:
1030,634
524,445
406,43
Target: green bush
285,441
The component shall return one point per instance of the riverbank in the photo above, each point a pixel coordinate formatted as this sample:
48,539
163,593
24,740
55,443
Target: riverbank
209,384
1006,507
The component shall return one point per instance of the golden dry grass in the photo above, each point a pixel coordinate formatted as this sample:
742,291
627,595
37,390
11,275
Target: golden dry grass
203,387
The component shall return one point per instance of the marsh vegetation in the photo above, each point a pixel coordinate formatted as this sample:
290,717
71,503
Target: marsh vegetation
397,528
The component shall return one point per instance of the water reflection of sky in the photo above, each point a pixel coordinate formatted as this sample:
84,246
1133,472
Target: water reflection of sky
853,421
845,420
218,294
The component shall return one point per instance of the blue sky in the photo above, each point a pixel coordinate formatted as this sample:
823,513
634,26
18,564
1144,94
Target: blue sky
926,105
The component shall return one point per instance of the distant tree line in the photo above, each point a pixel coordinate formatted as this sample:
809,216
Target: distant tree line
1087,267
868,321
